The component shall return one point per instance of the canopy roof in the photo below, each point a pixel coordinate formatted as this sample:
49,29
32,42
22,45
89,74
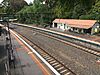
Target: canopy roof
86,24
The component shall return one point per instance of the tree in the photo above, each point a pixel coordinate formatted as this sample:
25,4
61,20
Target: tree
13,6
47,10
63,8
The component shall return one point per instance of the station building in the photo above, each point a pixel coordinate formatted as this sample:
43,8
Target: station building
79,26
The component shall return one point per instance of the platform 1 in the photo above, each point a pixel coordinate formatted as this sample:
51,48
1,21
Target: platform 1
26,63
3,55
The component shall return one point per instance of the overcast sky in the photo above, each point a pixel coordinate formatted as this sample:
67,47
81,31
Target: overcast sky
28,1
1,1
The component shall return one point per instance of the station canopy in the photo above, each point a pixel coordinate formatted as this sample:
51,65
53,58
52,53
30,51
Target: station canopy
83,24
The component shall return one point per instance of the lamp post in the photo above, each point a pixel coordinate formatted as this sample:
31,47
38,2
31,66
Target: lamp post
43,3
8,47
97,16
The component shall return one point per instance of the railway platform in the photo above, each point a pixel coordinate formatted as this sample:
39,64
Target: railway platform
3,56
84,36
94,38
26,63
56,46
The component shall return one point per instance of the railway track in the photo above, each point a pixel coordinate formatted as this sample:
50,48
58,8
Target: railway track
68,42
63,70
56,64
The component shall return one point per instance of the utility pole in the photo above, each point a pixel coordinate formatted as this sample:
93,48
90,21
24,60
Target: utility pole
10,55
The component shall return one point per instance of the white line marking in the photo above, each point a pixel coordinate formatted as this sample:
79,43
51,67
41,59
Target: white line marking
34,51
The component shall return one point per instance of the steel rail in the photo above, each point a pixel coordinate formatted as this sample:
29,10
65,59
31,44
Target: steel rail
48,59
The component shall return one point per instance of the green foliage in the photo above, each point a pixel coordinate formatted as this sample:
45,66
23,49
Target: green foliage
1,9
85,17
96,10
13,6
38,13
24,16
78,11
45,11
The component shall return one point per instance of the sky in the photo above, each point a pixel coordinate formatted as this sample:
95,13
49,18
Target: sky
28,1
1,1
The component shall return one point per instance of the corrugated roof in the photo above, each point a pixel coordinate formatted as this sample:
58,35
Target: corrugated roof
76,23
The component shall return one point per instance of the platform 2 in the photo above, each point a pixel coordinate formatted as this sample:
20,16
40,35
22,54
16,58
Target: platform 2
79,35
94,38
